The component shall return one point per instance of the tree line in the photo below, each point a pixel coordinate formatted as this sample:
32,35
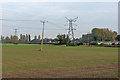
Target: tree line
24,39
104,34
96,34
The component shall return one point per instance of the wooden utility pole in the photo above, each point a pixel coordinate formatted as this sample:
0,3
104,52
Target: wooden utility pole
43,22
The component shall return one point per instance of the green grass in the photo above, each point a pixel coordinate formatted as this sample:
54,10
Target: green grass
18,58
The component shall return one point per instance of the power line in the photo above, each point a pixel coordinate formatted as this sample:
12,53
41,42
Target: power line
36,28
16,20
28,20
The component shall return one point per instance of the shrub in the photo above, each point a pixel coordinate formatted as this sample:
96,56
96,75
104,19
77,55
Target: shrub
93,43
102,44
79,43
15,43
71,44
118,44
113,43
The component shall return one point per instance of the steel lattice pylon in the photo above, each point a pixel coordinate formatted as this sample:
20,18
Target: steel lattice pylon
70,30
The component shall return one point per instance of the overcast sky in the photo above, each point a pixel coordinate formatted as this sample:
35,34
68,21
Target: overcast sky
90,15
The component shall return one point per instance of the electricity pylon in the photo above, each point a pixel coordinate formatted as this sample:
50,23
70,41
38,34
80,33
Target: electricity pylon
15,32
70,30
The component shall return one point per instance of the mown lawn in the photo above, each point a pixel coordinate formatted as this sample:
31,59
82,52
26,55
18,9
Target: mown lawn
59,61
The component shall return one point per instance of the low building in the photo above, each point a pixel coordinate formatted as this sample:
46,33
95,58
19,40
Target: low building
87,38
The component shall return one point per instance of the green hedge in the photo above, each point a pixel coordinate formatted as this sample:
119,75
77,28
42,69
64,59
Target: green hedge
93,43
80,44
71,44
113,43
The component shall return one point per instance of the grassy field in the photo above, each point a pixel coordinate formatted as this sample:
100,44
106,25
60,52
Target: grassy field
26,61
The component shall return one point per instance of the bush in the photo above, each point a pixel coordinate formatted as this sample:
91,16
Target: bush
15,43
93,43
71,44
118,44
113,43
102,44
79,43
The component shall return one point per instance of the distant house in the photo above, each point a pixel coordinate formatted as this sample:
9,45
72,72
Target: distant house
49,40
87,38
108,42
